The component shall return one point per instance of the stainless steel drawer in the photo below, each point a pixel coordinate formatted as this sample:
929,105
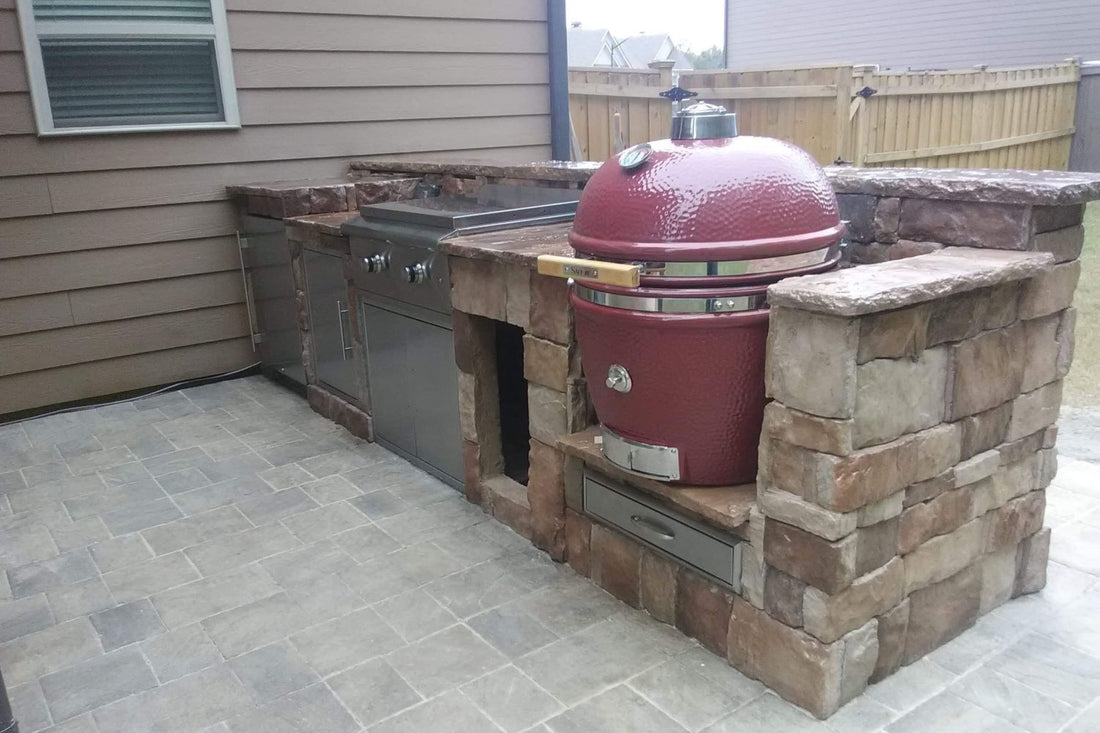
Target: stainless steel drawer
708,551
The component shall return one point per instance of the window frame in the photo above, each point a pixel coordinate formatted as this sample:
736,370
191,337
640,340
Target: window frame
217,30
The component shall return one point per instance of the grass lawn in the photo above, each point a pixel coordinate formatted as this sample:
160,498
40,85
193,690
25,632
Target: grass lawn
1082,387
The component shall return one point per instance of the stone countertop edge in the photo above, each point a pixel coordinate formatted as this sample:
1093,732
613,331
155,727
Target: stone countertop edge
548,170
324,223
1035,188
884,286
518,247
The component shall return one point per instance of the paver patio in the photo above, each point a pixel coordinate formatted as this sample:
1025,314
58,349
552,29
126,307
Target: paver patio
223,559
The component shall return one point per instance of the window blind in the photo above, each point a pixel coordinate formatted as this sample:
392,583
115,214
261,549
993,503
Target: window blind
185,11
120,81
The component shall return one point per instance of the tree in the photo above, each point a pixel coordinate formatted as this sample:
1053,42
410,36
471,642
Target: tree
710,58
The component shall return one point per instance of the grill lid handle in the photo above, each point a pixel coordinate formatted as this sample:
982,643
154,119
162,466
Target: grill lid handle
703,121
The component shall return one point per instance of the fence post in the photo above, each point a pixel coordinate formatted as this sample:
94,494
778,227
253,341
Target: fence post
663,118
863,124
843,121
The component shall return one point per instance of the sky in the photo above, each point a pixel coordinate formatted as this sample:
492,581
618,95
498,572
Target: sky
694,24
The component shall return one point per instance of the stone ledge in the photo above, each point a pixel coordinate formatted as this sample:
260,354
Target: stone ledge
519,247
1043,188
886,286
724,507
548,170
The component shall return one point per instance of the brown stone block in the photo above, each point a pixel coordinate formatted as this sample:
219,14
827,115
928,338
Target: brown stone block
474,340
886,219
578,542
968,314
977,467
1015,521
1065,244
868,254
1040,352
831,617
944,555
471,458
1051,291
905,248
892,627
551,317
508,500
899,396
998,577
579,413
945,513
546,363
985,430
574,483
829,566
811,362
546,497
867,475
881,510
859,211
378,190
1050,436
1048,467
933,487
1034,411
658,587
793,663
860,655
1031,563
783,596
965,223
876,545
1019,450
547,410
792,509
808,431
517,286
327,199
1049,218
616,565
703,610
941,612
1066,341
987,371
932,452
894,334
479,287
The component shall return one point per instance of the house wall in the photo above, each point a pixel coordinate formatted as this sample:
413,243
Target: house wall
940,34
118,260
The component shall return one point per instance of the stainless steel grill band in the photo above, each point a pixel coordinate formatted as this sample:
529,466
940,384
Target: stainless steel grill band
732,268
671,305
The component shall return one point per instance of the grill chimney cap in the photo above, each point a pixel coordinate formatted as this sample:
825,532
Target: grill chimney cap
703,121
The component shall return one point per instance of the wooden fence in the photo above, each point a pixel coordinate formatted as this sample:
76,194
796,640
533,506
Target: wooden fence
976,118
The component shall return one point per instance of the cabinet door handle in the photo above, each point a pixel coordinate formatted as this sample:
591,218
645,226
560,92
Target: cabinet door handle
246,280
341,311
658,530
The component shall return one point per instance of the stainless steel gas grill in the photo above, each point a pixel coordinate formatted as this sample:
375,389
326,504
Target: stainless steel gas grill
404,293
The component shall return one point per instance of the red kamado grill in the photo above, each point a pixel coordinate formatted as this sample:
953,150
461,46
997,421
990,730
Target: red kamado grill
677,241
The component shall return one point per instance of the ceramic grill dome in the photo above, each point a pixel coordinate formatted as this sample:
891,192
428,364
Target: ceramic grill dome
676,364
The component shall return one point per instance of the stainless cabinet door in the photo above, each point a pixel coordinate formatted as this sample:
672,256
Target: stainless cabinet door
333,351
388,375
434,397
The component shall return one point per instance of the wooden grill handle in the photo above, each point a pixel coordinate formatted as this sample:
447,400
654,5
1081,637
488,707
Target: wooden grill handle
608,273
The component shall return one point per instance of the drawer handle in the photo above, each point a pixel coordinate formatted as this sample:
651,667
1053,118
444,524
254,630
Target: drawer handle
652,527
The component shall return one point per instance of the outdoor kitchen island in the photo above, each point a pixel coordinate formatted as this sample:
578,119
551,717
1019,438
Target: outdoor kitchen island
905,450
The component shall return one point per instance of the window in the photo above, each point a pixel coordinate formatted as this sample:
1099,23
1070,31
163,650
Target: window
99,66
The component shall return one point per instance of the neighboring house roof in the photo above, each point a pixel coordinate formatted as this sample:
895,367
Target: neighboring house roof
645,48
594,47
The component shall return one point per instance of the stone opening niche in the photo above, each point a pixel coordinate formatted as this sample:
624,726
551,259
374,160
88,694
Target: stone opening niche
905,452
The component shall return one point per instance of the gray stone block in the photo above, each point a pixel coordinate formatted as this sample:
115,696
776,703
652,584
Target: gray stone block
96,682
65,569
273,671
126,624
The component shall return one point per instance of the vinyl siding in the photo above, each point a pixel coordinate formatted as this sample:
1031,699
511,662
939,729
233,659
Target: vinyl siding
118,260
935,34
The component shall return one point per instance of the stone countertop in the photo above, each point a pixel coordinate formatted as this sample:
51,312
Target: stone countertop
547,170
723,507
885,286
321,223
520,247
1038,188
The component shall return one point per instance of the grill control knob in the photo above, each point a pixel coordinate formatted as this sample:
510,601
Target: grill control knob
416,274
618,378
376,263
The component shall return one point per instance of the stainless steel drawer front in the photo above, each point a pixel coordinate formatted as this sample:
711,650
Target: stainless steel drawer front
676,536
